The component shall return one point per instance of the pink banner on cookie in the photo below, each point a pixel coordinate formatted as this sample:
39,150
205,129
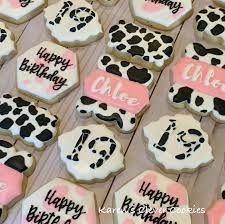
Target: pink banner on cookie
201,76
116,91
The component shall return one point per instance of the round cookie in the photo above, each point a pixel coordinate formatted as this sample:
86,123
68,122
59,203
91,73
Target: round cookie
164,15
151,198
20,11
73,22
91,153
178,143
47,71
60,201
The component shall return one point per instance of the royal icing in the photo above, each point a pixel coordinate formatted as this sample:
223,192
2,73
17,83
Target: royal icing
151,198
91,152
72,21
142,46
199,84
32,124
178,143
60,201
47,71
7,45
210,24
20,10
12,166
160,13
126,70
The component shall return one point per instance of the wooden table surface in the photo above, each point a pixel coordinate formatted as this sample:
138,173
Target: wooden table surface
203,186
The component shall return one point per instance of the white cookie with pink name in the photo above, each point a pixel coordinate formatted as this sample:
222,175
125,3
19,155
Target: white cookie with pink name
161,14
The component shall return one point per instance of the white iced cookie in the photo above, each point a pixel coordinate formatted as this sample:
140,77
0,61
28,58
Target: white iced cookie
73,22
62,202
178,143
91,153
161,14
7,44
47,71
151,198
20,11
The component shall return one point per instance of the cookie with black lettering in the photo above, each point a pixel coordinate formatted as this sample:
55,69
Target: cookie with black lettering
210,24
26,121
178,143
60,201
73,22
151,197
91,153
20,11
149,49
164,15
198,82
15,167
47,71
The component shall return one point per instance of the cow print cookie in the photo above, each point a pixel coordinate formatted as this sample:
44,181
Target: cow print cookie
139,45
112,99
151,198
61,202
20,11
161,14
73,22
178,143
210,24
199,86
14,168
7,44
24,120
91,153
216,214
126,70
47,71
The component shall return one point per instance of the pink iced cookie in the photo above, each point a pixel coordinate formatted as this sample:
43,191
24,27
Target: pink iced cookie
150,197
161,14
70,204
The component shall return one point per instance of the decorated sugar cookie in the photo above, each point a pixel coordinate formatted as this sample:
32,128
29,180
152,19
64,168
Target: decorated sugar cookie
220,3
112,99
161,14
14,168
178,143
151,198
126,70
199,82
7,45
20,11
73,22
91,153
216,214
24,120
210,24
139,45
62,202
47,71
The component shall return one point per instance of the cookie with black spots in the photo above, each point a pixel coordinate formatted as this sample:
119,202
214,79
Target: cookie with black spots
15,167
23,119
197,101
149,49
210,24
91,153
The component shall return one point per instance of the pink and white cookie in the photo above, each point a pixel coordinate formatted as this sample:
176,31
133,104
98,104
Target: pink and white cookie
163,15
91,153
20,11
47,71
178,143
14,168
62,202
151,198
